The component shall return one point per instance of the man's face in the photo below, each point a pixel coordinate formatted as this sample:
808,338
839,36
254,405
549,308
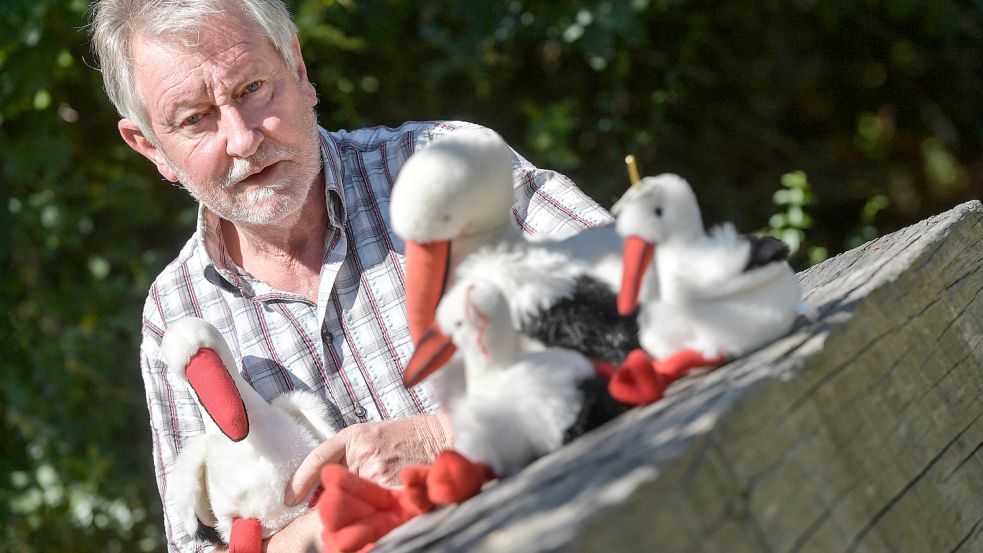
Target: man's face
234,124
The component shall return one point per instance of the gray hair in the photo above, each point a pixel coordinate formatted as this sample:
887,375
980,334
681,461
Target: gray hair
115,22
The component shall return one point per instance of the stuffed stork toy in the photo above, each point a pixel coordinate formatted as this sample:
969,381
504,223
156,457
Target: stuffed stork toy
452,203
232,477
517,406
707,296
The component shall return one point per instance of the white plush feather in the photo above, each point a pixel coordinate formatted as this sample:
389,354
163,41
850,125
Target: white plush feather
308,410
517,404
188,486
535,277
598,250
247,479
513,416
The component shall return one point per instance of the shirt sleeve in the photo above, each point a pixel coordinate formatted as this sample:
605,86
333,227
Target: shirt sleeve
173,418
548,205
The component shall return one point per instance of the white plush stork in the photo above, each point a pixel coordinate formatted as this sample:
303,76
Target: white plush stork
709,296
451,204
517,405
233,476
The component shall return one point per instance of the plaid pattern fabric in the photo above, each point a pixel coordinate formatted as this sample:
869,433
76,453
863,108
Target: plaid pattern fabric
350,347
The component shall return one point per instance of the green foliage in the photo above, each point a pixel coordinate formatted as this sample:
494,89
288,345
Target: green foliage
791,224
867,229
876,100
84,228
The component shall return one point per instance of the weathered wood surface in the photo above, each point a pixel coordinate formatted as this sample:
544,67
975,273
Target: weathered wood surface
861,431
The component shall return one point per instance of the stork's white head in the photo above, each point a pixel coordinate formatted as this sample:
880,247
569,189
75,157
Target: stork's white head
655,211
196,353
476,314
458,185
185,337
473,317
659,209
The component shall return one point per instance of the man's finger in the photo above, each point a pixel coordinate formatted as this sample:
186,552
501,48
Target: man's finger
302,481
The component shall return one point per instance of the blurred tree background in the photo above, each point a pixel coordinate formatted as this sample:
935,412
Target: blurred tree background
825,122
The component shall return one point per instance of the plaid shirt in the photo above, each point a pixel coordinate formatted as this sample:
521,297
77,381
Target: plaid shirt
350,347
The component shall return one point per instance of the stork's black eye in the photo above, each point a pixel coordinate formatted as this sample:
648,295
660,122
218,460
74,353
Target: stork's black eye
658,211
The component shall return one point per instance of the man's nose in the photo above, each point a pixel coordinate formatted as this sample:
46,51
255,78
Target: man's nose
242,137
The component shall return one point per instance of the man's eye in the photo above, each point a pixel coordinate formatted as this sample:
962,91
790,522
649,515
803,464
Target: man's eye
252,87
194,119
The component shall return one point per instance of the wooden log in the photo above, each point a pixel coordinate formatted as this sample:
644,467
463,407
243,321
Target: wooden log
860,431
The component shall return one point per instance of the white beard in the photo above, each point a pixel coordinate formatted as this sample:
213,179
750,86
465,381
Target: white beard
261,194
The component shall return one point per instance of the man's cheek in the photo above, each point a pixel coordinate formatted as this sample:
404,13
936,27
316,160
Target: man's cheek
208,160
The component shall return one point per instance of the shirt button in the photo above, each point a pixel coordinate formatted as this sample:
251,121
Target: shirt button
359,411
326,334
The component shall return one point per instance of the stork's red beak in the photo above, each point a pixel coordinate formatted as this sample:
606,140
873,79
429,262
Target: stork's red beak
217,393
426,277
636,259
433,350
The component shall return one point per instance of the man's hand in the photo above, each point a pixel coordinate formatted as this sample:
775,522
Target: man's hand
375,451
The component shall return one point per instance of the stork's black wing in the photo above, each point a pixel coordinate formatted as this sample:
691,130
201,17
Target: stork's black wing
597,408
765,250
587,321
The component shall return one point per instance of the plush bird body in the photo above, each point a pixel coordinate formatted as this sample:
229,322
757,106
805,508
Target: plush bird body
239,468
599,249
719,293
511,416
517,405
451,204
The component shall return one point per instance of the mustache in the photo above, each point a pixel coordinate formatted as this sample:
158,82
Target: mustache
243,167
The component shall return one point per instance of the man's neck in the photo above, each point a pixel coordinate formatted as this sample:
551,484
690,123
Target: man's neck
286,255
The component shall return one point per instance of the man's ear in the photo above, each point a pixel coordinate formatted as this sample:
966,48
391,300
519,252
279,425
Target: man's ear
301,71
135,139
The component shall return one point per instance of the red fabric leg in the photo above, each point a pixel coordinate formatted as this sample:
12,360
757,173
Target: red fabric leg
604,369
641,380
355,512
683,362
246,536
636,383
455,479
415,487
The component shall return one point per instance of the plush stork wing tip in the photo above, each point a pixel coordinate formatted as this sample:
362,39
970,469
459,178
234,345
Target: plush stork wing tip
765,250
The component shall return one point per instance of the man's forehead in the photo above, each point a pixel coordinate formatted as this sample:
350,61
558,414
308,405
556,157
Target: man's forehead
208,30
166,54
218,40
168,70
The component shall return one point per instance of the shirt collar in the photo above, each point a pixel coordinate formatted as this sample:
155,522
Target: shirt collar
219,263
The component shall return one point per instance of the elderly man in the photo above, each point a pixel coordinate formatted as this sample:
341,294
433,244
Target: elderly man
293,258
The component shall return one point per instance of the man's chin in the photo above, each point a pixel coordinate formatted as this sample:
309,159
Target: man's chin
265,215
262,194
264,212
